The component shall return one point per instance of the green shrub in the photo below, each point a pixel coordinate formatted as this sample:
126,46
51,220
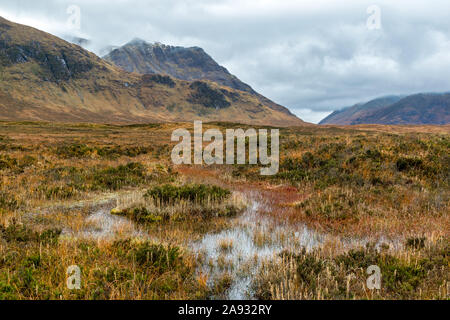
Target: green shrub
140,215
6,291
309,266
8,202
83,151
169,194
150,255
360,258
64,192
416,243
26,161
156,256
399,278
70,181
49,236
373,154
331,205
117,151
173,203
19,233
17,165
75,150
16,232
407,164
7,162
112,178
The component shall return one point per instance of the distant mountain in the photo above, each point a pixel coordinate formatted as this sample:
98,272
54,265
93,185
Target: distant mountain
43,77
420,109
349,115
179,62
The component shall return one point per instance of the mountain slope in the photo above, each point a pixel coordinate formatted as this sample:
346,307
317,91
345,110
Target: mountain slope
45,78
182,63
415,109
349,115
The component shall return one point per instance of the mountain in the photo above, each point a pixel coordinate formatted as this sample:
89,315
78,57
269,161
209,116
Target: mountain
45,78
182,63
430,108
349,115
178,62
418,109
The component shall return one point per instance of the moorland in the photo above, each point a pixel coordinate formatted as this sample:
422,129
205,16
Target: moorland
108,199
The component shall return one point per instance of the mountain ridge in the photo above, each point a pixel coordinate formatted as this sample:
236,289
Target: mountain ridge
44,78
184,63
415,109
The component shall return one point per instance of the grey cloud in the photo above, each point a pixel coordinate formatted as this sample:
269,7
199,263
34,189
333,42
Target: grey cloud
311,56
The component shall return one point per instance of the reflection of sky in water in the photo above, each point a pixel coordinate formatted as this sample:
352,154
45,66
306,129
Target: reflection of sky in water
255,238
102,225
247,254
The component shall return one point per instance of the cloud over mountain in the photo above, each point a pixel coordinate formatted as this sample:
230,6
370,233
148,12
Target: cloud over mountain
310,56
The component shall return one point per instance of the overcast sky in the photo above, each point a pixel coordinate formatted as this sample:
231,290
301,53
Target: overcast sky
311,56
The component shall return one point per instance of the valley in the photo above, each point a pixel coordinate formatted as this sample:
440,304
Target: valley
109,173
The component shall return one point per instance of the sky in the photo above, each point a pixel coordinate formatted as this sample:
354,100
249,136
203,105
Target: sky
313,57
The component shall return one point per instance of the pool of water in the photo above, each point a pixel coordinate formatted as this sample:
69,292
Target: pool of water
102,225
240,250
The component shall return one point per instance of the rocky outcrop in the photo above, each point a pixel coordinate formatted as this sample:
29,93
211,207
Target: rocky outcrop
181,63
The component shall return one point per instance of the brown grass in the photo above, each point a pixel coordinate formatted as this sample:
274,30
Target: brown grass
43,189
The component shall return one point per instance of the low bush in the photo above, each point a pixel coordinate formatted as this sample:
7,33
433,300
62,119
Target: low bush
8,202
180,203
169,194
333,204
416,242
151,255
114,178
19,233
407,164
76,150
317,275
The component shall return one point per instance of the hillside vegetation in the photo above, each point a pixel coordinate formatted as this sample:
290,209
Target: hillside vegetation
45,78
418,109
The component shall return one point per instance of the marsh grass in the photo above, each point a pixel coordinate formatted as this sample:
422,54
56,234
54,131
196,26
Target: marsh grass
375,182
406,274
365,182
123,270
180,203
226,245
